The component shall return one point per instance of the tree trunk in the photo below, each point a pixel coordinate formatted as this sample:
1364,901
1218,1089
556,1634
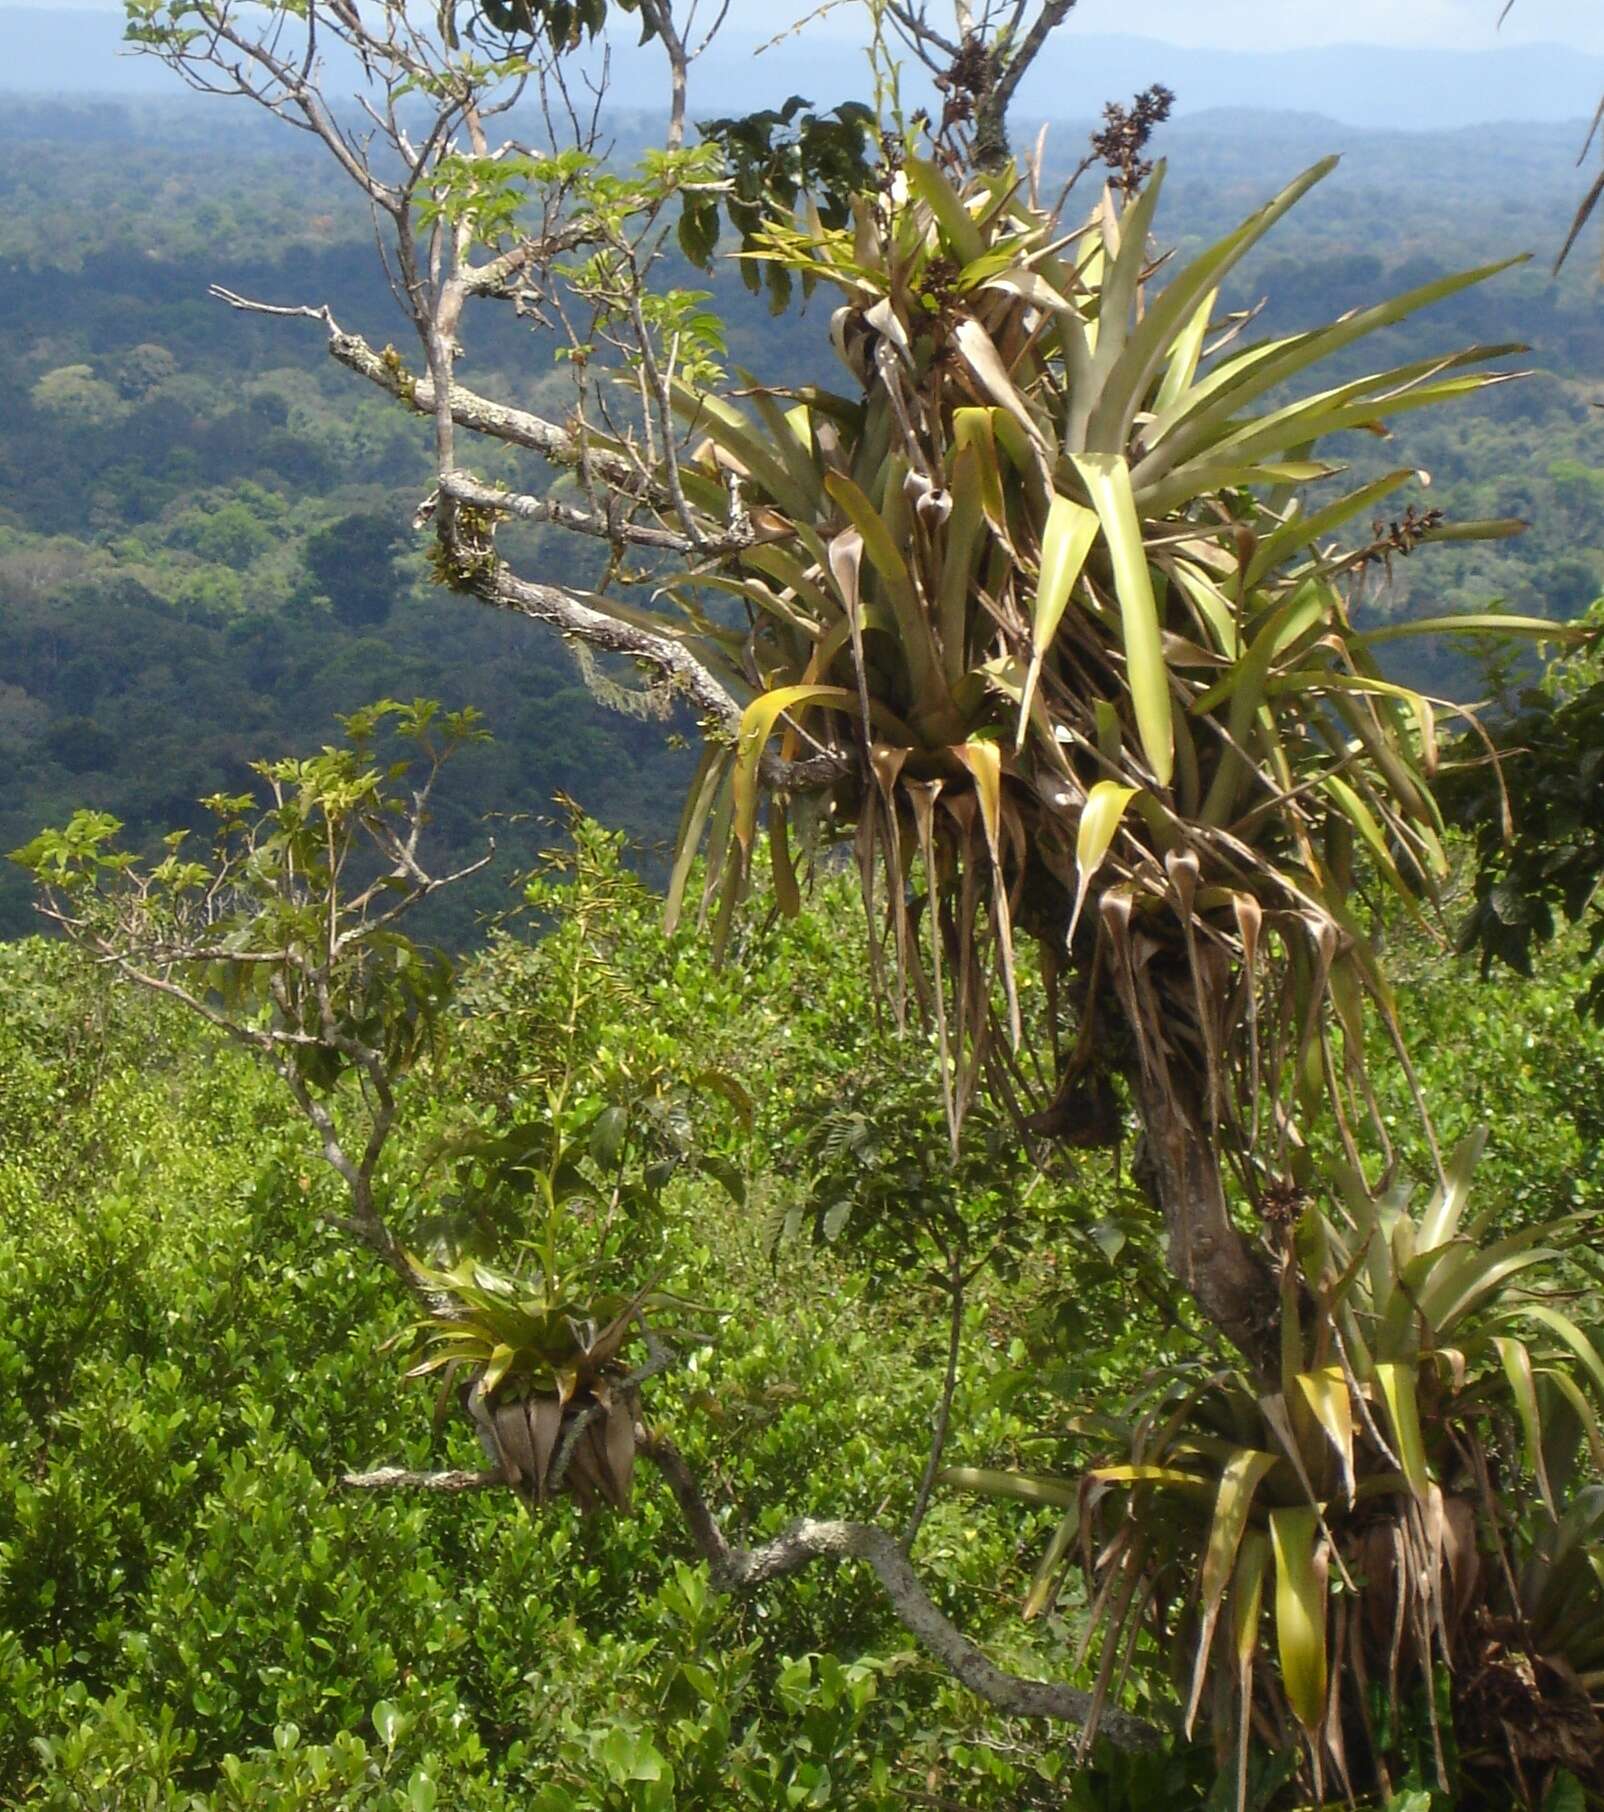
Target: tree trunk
1178,1166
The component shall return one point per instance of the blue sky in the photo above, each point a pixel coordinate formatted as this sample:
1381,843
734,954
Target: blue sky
1255,24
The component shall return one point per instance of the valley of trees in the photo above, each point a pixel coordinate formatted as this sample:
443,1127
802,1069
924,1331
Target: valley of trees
741,1057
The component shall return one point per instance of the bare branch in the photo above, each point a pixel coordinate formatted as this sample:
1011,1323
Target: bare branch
736,1570
463,487
478,415
659,14
448,1484
994,115
807,1540
921,35
567,612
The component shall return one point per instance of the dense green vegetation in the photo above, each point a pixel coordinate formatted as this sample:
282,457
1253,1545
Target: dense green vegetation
195,1615
191,1360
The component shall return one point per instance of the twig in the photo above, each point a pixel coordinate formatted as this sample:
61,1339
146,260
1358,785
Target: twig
938,1438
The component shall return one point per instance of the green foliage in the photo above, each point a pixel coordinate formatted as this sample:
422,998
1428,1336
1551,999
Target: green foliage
193,1610
1422,1356
772,160
1536,817
229,1631
285,932
181,1583
109,617
352,563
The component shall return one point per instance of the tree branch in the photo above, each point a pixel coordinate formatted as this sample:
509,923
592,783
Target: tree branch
565,611
1052,15
991,114
735,1570
448,1484
463,487
477,414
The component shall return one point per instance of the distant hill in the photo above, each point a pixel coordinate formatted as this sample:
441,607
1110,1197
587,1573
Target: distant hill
69,51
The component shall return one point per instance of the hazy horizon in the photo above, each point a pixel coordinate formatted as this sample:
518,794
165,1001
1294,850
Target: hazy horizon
1359,65
1263,25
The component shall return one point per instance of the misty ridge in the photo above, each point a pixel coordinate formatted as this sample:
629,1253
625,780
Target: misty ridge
72,51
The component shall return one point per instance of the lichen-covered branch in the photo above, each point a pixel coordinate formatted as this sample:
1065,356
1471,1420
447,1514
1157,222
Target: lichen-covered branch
445,1484
565,611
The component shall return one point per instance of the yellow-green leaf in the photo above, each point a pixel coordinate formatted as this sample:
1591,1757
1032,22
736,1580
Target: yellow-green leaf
1032,1487
1440,1222
1300,1611
1399,1386
1044,1584
913,626
1099,824
757,725
1517,1363
1247,1596
1478,622
958,556
957,224
1066,541
500,1363
984,761
1326,1393
1572,1336
1240,1478
698,802
1108,482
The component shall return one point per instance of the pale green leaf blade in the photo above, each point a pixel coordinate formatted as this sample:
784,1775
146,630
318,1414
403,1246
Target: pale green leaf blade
1304,531
1108,482
1571,1336
1195,419
1326,1393
1240,1478
958,226
1516,1359
1045,1580
757,725
1300,1611
1476,622
1400,1393
1033,1488
1176,323
1440,1222
1066,541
